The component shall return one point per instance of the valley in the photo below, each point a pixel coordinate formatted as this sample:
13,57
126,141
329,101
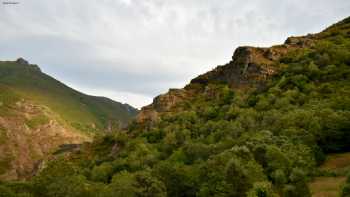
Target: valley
273,121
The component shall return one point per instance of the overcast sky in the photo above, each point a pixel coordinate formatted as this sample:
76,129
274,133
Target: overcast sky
133,50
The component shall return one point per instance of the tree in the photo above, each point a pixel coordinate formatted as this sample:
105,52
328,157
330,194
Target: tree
279,178
123,184
237,177
346,188
276,160
102,173
69,186
6,192
149,185
298,179
261,189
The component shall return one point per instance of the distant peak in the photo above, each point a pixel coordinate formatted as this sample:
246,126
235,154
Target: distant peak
22,61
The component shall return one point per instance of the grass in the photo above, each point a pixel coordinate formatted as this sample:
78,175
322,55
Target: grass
37,121
23,81
5,164
3,136
7,99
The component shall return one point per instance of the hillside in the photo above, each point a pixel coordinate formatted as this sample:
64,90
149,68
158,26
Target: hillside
257,126
38,114
79,110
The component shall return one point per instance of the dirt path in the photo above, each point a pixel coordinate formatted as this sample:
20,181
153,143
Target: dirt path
326,186
337,161
330,186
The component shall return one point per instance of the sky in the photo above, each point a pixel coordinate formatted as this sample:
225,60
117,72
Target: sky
134,50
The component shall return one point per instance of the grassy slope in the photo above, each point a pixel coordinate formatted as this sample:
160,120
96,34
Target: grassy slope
78,109
39,113
28,134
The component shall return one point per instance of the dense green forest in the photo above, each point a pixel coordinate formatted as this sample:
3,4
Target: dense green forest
259,142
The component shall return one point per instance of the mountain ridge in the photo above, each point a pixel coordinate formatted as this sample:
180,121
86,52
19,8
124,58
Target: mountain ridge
249,66
15,73
38,114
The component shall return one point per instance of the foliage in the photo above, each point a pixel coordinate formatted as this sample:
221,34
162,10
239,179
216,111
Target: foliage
346,188
257,142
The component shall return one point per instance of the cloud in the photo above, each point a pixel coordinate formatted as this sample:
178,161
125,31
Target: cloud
133,50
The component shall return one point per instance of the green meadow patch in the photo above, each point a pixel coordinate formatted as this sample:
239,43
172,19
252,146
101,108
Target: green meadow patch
37,121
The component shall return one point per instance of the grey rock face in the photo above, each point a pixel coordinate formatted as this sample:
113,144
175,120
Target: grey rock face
22,61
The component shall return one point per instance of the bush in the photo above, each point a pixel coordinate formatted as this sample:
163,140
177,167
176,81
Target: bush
102,173
261,189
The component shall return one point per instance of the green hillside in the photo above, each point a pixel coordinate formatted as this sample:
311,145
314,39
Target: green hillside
259,126
84,112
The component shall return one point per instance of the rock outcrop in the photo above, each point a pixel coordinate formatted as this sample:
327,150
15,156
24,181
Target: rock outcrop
27,136
250,66
161,103
22,61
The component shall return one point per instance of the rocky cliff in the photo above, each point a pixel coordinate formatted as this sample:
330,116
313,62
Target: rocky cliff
249,67
29,133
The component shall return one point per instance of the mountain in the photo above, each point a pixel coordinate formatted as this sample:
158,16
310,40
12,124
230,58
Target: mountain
39,113
249,68
260,125
78,109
